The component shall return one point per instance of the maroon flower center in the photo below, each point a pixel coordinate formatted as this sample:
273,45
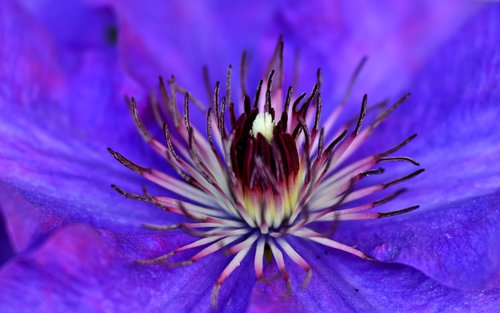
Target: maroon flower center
259,162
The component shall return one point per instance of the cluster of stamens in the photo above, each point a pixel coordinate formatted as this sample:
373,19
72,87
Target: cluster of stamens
268,177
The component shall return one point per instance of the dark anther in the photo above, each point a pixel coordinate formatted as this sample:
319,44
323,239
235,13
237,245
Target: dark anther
305,106
297,101
376,171
335,142
397,147
222,117
243,74
228,83
187,122
288,99
257,94
319,78
127,163
247,104
392,213
402,179
319,106
408,159
302,127
168,141
172,104
209,131
130,195
232,115
268,92
387,112
215,102
362,114
132,105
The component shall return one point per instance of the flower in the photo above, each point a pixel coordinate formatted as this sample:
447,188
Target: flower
446,252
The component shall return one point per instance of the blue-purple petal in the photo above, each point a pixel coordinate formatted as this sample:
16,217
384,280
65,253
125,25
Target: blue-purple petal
457,244
453,237
344,283
85,26
55,126
454,109
81,269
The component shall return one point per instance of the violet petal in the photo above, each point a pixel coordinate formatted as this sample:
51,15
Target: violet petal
456,244
346,284
98,273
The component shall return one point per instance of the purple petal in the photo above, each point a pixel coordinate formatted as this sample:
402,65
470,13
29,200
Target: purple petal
68,182
346,284
82,269
68,273
84,26
55,126
457,244
454,110
178,38
453,238
83,98
397,37
27,55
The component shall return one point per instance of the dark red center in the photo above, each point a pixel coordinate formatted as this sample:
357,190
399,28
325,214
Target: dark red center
259,163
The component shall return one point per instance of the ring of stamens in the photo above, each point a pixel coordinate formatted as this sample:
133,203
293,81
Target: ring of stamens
265,176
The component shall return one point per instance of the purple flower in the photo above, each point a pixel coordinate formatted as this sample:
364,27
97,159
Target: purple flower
63,77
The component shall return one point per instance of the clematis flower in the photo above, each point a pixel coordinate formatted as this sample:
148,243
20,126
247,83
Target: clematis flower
76,242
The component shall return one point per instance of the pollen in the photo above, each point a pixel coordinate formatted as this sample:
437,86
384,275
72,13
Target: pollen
264,125
266,173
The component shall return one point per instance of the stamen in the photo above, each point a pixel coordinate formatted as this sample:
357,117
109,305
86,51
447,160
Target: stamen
399,146
173,101
278,256
268,91
295,257
408,159
405,178
391,109
243,74
235,262
228,83
361,115
257,94
259,258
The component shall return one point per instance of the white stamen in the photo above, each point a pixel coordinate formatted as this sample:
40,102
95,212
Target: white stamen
263,124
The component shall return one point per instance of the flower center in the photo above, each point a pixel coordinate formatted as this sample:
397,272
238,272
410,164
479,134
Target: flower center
262,183
262,155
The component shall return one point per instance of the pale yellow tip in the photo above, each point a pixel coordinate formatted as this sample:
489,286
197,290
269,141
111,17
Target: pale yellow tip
263,124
